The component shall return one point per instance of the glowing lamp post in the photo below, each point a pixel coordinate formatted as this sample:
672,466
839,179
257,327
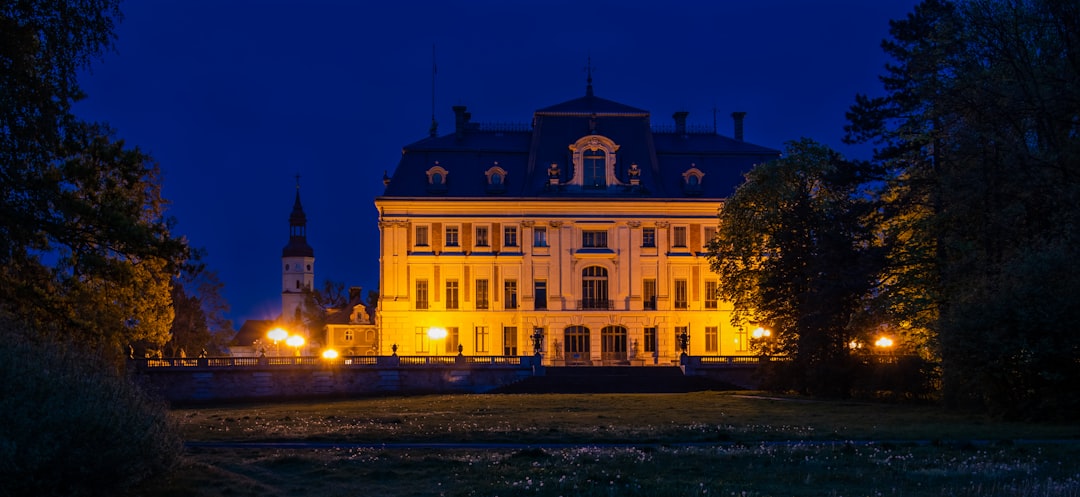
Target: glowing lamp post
884,344
760,333
330,354
295,341
277,335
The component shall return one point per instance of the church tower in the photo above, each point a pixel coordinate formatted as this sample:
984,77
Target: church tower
298,263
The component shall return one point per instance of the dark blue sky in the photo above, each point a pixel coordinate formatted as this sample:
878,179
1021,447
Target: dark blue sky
234,98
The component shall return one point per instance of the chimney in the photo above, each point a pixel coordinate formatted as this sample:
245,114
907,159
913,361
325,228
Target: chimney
461,118
738,117
680,122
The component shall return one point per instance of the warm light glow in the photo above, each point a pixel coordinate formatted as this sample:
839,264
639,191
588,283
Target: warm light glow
277,334
884,342
854,345
295,341
330,354
760,332
436,333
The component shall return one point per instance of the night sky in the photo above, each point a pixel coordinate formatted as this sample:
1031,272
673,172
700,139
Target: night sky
235,98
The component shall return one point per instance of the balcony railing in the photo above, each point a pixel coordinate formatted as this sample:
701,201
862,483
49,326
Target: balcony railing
595,304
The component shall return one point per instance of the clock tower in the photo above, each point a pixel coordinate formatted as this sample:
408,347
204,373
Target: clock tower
298,264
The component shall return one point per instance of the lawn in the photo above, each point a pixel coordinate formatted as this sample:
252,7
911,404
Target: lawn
707,443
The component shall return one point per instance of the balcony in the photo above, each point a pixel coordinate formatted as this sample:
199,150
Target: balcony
595,305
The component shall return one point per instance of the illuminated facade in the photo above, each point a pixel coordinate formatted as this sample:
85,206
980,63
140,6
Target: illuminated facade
589,227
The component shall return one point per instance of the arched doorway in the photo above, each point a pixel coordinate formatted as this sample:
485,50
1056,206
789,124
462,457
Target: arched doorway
576,345
613,344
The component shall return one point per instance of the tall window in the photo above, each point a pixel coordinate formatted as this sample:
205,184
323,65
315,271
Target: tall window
481,294
451,236
594,238
742,343
594,288
594,165
650,339
452,340
421,338
481,338
510,236
421,236
680,295
540,294
712,339
451,294
648,237
681,331
648,294
712,291
540,236
510,294
678,238
421,294
510,346
482,236
710,233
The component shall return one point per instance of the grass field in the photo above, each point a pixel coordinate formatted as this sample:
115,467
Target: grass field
707,443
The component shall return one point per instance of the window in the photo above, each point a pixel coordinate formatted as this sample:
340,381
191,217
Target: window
451,236
348,335
594,288
712,289
648,237
482,236
682,331
710,233
680,295
648,294
594,164
421,294
481,294
451,294
678,238
594,239
540,236
481,338
510,294
421,236
510,236
741,341
540,294
650,339
421,337
712,339
510,346
452,340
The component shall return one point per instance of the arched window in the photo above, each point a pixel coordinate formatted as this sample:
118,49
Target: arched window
576,344
594,288
613,343
593,164
436,179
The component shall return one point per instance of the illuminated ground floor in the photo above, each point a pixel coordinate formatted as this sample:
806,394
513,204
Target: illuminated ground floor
564,338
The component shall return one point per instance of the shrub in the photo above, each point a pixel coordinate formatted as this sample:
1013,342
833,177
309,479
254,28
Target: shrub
72,425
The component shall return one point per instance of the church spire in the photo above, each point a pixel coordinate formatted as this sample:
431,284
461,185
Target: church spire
298,246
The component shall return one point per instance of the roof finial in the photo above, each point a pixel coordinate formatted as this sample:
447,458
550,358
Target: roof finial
297,181
588,86
434,130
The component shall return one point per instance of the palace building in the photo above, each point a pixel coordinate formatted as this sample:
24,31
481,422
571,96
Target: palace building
588,228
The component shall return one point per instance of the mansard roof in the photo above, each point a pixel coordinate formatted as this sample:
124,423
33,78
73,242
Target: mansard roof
457,165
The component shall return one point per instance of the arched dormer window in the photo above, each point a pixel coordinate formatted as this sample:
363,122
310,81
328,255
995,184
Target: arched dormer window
594,162
692,180
436,177
496,179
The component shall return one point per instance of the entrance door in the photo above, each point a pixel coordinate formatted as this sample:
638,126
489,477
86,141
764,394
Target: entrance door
613,344
576,343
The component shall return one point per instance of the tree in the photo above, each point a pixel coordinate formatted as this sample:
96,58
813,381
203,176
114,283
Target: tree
797,257
978,125
86,245
317,303
200,323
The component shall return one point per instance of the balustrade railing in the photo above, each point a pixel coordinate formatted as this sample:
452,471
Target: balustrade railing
347,361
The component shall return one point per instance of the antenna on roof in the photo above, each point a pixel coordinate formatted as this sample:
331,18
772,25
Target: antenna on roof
434,70
298,181
588,86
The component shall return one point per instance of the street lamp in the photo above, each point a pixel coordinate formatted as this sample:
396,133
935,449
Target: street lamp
884,343
760,332
330,354
684,341
295,341
277,335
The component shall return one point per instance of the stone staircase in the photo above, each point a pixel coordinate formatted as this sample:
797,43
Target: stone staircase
614,379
